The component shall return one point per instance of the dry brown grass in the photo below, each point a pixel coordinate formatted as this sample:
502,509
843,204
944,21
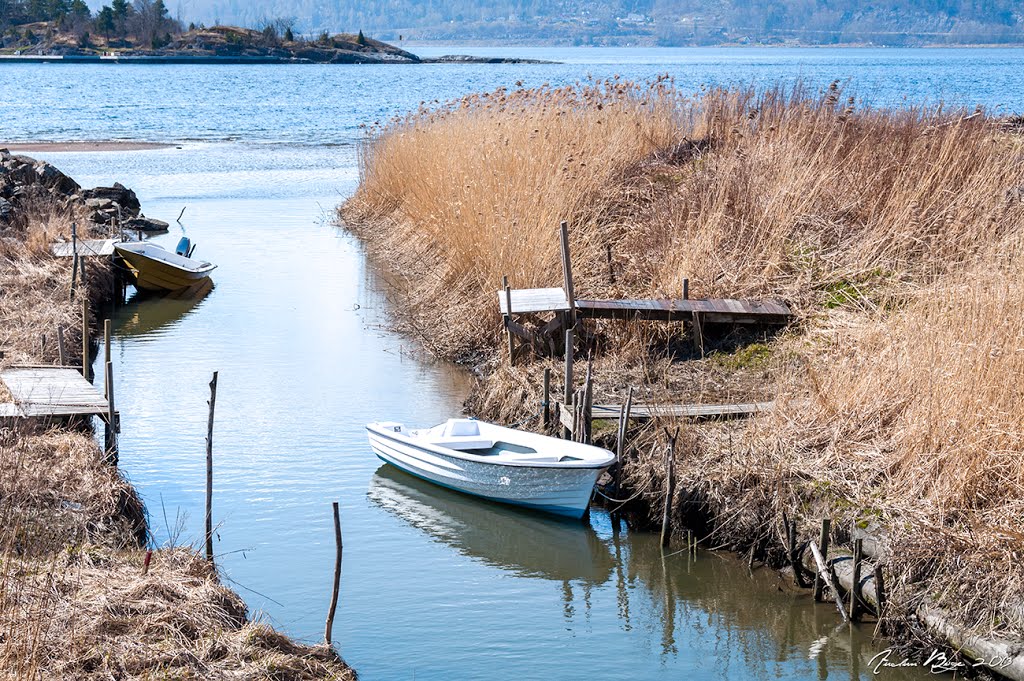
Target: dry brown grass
73,601
894,234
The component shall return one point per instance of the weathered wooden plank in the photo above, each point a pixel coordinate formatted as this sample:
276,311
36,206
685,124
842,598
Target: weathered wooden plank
534,300
693,411
65,249
714,311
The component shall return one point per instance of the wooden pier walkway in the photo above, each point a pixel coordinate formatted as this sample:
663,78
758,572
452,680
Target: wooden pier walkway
83,247
40,391
567,310
645,412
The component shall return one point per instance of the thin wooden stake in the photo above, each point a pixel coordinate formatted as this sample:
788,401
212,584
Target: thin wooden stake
209,470
620,442
588,398
611,268
74,277
686,289
61,352
826,577
111,430
106,340
546,400
666,529
568,373
570,294
337,573
86,369
858,556
823,539
145,563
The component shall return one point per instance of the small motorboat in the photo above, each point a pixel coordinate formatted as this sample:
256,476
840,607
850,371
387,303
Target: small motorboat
497,463
154,268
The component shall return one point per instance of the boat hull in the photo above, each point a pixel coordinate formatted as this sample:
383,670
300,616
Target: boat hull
155,275
562,491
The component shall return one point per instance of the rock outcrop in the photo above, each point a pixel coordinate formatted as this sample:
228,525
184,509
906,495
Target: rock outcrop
30,185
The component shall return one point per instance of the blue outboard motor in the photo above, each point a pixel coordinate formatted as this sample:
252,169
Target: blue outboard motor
183,246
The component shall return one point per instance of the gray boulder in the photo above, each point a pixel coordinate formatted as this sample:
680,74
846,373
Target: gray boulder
50,177
142,223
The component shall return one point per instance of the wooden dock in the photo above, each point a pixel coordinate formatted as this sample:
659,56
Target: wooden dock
556,312
645,412
84,247
41,391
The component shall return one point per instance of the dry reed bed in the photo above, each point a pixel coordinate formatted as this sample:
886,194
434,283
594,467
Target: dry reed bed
894,234
74,603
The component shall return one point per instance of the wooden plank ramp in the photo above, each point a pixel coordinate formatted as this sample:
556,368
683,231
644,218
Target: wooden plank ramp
66,249
50,391
644,412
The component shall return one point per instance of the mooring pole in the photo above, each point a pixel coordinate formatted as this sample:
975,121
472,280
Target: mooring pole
111,430
209,470
337,574
570,295
568,374
826,525
666,529
858,557
86,372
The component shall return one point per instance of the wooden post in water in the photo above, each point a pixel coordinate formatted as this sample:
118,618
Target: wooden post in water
111,430
823,570
666,529
620,441
588,398
86,369
209,470
568,374
337,574
508,320
570,295
858,557
823,538
546,399
106,340
62,354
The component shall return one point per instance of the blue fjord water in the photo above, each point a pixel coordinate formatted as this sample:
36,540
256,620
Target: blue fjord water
435,585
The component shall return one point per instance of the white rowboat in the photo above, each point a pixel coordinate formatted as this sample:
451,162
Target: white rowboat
497,463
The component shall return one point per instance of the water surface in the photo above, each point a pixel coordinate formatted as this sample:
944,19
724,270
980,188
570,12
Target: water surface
435,585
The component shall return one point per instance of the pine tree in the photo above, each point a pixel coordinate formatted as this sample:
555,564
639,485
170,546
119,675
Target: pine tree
288,35
361,39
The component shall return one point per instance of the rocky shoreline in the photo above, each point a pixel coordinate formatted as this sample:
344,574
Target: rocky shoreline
27,184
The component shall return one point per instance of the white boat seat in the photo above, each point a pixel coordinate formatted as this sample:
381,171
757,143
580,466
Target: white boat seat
463,442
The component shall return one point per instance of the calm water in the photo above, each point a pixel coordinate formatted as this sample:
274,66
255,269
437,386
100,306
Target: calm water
435,586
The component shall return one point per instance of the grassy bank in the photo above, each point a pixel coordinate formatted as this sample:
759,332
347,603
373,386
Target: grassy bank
895,235
75,601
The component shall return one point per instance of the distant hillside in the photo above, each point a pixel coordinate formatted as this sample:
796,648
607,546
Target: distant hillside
650,22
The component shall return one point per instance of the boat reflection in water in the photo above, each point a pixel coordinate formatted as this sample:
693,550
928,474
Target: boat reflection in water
147,313
526,543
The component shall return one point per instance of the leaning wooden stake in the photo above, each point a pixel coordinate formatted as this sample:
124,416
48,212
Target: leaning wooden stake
570,295
826,526
209,470
588,398
827,578
337,574
666,529
86,369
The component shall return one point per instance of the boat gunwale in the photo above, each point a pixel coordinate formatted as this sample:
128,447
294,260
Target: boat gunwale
204,267
474,458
